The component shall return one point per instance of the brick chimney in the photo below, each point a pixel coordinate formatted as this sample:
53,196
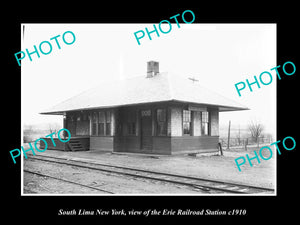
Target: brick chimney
152,69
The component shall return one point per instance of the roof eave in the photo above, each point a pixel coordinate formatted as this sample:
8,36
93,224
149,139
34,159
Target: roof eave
52,113
228,109
222,108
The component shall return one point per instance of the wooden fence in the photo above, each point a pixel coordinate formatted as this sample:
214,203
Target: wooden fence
238,142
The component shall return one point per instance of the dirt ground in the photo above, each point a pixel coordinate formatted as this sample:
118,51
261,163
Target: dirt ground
218,167
107,182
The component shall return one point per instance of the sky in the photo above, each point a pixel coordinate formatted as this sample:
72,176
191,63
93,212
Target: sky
218,55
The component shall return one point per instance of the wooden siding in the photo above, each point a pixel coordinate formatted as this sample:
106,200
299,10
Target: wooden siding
196,123
201,143
176,121
101,143
71,126
127,143
161,145
124,141
214,123
59,145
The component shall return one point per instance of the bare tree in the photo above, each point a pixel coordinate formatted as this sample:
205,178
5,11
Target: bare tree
27,133
54,128
256,129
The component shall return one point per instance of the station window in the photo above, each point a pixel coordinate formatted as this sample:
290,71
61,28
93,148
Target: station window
101,123
186,122
205,123
161,121
131,128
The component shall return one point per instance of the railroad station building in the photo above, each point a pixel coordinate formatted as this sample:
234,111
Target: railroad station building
156,113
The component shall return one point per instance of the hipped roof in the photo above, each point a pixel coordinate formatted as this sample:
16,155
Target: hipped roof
139,90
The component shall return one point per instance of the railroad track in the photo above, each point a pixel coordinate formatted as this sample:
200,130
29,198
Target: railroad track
66,181
205,185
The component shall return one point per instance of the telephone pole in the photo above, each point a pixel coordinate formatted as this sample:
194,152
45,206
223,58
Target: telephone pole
228,142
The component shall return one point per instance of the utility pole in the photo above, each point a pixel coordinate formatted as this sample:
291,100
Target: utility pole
246,143
228,142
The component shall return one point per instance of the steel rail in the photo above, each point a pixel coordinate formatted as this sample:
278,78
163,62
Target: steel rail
67,181
193,179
